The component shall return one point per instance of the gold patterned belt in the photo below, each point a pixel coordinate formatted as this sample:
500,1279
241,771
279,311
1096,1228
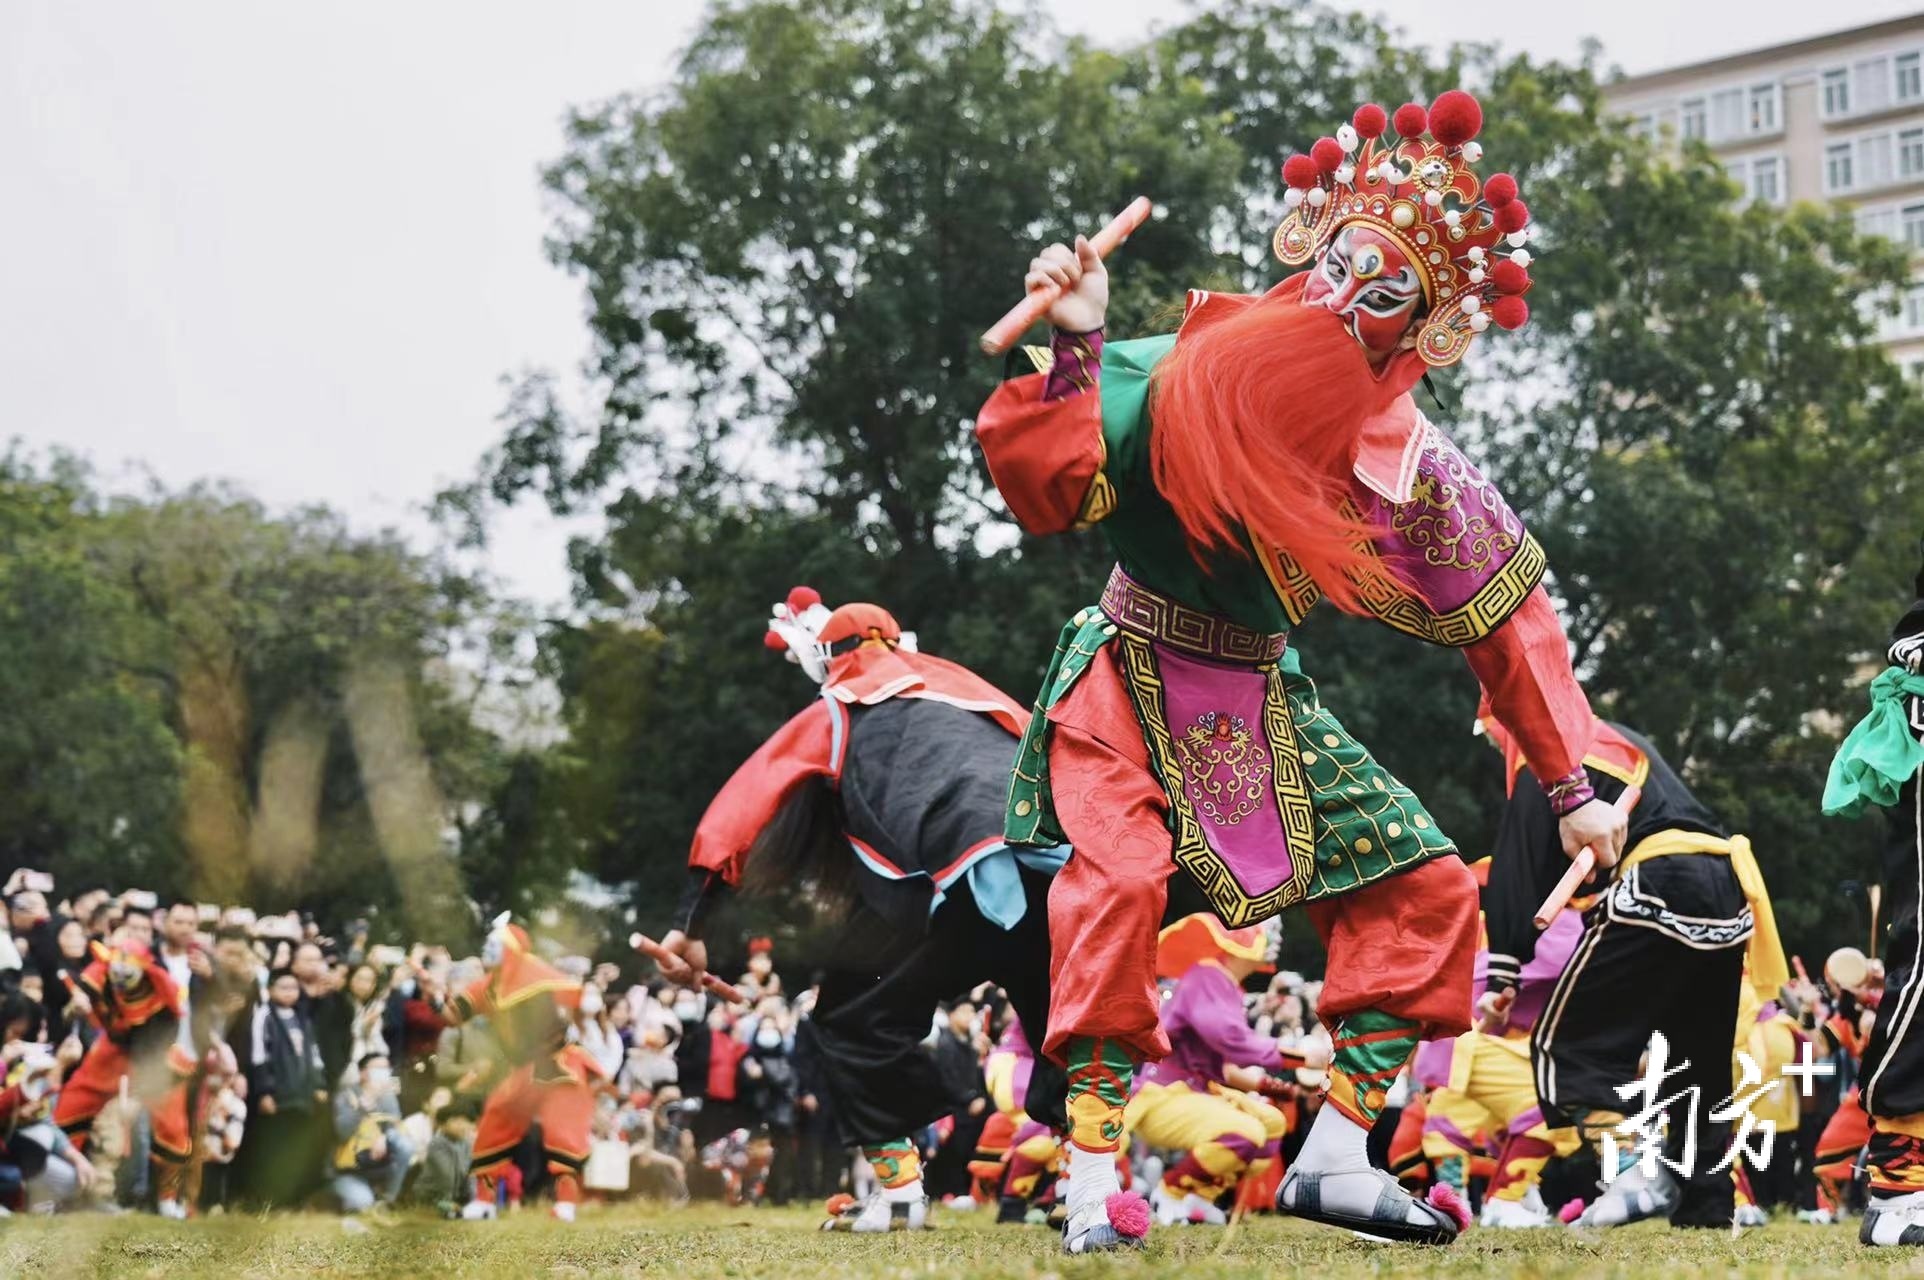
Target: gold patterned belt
1154,616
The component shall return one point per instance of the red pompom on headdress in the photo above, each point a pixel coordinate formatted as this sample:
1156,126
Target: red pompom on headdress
801,598
1513,216
1300,172
1455,118
1464,236
1508,277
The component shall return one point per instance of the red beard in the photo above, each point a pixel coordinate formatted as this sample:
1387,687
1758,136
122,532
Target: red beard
1257,418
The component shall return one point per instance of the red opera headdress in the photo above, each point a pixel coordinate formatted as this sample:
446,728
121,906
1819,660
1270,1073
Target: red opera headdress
1463,234
1201,936
808,633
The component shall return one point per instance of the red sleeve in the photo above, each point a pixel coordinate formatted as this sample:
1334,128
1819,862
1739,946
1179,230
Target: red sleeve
475,1002
809,746
10,1100
1043,454
93,978
1524,668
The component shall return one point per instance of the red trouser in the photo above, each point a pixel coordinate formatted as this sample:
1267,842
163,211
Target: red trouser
1404,945
96,1082
1835,1159
562,1099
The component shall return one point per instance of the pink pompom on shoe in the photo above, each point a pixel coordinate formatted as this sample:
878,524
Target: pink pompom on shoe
1443,1196
1128,1214
1571,1212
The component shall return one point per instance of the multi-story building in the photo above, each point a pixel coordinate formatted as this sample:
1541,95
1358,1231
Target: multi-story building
1837,117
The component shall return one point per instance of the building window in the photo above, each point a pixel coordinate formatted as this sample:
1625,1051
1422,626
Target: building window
1913,217
1644,125
1727,113
1874,161
1766,179
1879,222
1914,309
1910,77
1763,108
1871,84
1837,167
1694,123
1910,153
1837,92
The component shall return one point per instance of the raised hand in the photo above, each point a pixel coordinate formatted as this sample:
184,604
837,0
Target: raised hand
683,959
1084,282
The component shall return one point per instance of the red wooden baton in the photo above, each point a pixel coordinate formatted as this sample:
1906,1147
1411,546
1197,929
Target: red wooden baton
661,955
1003,333
1580,868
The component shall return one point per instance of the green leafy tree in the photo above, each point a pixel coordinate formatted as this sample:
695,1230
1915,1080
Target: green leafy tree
89,768
787,255
210,700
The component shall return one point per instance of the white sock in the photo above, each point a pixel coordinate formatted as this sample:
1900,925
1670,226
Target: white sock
1092,1177
1335,1142
907,1191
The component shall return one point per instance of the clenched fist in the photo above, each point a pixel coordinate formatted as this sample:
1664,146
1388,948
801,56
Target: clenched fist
1601,826
1083,280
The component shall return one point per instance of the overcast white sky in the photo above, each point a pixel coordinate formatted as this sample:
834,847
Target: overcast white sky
299,245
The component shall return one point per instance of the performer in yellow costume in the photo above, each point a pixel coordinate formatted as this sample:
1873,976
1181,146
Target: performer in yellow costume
1203,1099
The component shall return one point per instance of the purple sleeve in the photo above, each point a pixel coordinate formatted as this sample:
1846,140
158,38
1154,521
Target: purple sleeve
1077,367
1214,1009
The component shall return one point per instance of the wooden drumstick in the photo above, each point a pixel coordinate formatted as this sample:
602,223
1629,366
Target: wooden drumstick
1003,333
661,955
1580,868
1497,1014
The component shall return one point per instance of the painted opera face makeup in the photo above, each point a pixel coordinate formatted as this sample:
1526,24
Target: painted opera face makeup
1367,279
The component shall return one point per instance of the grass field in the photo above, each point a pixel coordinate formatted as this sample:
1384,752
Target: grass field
781,1245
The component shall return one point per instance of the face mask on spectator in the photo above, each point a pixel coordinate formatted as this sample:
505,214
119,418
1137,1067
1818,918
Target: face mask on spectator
768,1038
379,1077
591,1000
688,1010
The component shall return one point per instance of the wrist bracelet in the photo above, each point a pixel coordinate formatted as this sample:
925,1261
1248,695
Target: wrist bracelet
1570,792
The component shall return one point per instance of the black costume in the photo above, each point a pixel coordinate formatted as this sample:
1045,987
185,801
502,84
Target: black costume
1662,950
885,799
1892,1070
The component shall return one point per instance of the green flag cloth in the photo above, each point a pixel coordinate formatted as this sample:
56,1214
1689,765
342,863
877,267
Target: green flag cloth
1881,753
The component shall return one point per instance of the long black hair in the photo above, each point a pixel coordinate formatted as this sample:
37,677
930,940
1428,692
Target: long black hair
805,847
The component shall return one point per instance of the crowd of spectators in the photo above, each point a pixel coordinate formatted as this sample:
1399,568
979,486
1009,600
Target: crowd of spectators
325,1074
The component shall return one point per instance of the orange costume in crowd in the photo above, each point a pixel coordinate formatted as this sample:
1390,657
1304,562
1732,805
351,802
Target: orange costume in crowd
526,1002
136,1005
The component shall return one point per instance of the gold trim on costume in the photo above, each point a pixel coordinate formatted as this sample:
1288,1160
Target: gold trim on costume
1294,587
1191,849
1476,617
